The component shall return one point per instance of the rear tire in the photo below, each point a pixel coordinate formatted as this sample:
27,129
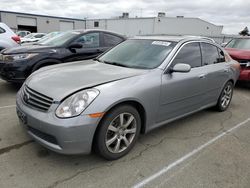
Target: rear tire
225,97
118,132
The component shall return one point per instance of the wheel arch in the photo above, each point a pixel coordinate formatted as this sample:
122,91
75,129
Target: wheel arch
136,104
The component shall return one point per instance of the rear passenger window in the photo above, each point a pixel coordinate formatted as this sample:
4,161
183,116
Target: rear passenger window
210,54
111,40
189,54
2,30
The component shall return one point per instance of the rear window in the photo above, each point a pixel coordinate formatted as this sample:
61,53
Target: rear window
2,30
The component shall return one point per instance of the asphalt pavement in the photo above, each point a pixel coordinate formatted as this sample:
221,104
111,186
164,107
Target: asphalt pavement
207,149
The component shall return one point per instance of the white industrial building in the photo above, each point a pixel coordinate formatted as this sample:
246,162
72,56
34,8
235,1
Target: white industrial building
128,26
39,23
157,26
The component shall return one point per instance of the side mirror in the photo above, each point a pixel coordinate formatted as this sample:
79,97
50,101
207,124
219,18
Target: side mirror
75,45
223,44
181,67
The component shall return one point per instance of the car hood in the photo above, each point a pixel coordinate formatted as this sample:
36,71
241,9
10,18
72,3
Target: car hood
238,54
59,81
28,49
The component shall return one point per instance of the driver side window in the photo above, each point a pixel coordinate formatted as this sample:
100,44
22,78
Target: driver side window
90,40
189,54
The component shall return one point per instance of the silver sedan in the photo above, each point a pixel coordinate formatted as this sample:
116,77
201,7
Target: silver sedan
139,85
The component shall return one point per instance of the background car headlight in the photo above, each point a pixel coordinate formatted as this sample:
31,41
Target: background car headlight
76,103
17,57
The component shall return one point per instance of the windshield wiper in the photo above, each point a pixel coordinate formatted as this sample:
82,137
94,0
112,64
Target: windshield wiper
97,59
115,63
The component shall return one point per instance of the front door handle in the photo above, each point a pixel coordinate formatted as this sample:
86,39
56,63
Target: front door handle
202,76
226,70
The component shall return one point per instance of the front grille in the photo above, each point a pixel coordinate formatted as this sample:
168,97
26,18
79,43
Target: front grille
42,135
35,99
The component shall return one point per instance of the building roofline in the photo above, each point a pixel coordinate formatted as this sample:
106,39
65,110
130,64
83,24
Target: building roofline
168,17
97,19
47,16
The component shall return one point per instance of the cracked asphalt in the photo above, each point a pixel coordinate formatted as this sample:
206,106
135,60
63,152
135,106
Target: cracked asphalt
224,163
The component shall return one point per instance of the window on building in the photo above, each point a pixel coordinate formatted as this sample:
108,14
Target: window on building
111,40
210,54
96,24
90,40
189,54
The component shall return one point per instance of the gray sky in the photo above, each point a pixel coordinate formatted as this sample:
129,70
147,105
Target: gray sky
232,14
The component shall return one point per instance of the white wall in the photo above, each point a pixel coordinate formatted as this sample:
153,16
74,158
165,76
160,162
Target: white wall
44,24
162,25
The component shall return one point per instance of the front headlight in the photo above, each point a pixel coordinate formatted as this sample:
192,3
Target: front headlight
16,57
76,103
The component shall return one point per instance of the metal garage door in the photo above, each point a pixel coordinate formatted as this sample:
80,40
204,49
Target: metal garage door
26,21
65,26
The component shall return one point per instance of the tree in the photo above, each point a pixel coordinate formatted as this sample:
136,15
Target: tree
244,32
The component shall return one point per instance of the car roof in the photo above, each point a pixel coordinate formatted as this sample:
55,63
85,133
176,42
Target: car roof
174,38
100,30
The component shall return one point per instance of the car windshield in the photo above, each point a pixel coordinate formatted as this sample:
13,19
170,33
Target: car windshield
243,44
60,39
29,35
137,53
48,36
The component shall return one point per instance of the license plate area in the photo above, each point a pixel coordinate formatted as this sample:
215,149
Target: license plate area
22,117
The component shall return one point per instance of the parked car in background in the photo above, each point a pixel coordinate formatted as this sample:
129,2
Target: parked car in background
137,86
32,37
8,38
22,33
17,64
44,38
239,49
49,36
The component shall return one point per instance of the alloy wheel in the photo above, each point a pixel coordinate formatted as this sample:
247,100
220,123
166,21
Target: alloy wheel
226,96
121,132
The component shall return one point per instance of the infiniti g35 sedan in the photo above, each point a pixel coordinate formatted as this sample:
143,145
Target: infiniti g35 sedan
139,85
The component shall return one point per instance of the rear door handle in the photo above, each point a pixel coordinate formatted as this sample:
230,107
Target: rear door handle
226,70
202,76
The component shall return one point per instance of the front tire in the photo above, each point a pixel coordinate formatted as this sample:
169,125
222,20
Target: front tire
118,132
225,97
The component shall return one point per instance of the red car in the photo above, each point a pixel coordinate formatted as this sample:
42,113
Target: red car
239,50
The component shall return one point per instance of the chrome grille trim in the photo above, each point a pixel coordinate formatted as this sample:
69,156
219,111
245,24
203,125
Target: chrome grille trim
35,99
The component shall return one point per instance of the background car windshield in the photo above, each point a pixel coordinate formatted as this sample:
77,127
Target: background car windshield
134,53
29,35
60,39
239,44
49,36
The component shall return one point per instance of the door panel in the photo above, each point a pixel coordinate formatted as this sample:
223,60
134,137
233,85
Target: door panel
181,93
216,70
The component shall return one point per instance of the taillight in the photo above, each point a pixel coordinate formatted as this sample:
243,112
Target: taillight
16,39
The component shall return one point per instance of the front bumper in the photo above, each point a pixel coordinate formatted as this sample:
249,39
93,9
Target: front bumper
244,75
66,136
12,72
